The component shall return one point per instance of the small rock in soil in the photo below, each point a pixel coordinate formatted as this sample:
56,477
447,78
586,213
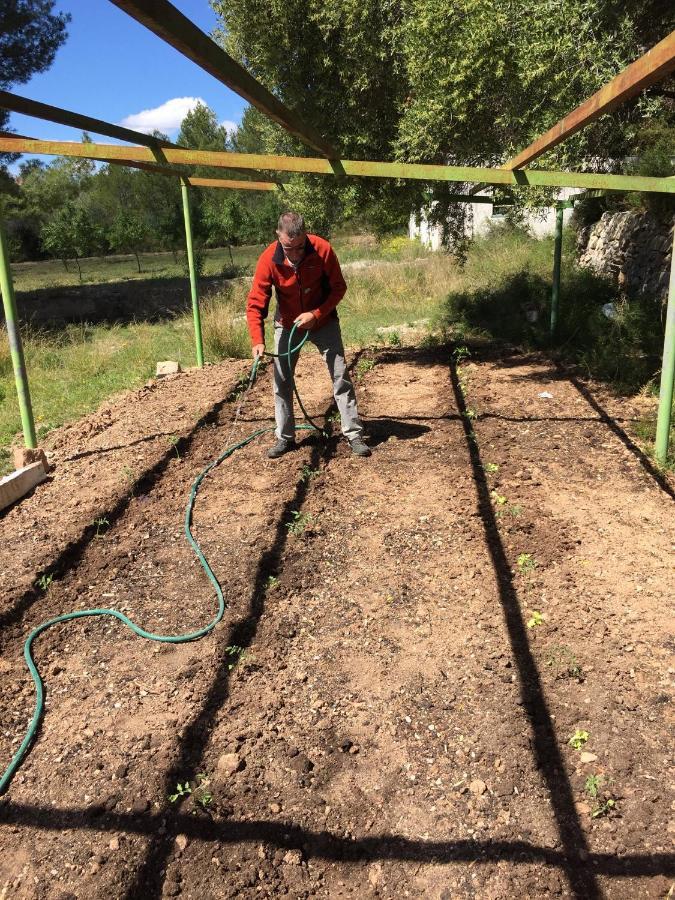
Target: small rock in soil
477,787
588,757
181,841
140,805
229,763
293,857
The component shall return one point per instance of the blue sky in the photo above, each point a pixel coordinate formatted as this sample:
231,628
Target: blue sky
113,68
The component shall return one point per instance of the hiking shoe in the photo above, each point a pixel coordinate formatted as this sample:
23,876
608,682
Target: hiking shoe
359,448
282,446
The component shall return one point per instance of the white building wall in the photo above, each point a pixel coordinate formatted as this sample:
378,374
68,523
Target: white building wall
541,222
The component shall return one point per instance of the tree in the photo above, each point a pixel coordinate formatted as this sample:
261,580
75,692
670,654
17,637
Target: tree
468,83
128,234
71,233
30,35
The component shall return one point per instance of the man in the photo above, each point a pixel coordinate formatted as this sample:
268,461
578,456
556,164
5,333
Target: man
305,273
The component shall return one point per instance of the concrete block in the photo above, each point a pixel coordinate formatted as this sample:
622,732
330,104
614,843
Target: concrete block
168,367
17,484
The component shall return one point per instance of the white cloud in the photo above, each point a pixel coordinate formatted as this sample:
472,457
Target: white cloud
229,126
166,118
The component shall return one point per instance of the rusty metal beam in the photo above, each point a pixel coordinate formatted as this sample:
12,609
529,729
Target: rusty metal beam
355,168
27,107
17,104
168,23
647,70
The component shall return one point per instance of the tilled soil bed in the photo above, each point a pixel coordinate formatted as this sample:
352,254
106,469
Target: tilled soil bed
443,671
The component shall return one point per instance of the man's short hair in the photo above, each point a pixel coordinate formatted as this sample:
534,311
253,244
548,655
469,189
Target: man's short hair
291,224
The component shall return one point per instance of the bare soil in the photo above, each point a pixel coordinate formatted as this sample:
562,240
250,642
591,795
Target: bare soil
387,707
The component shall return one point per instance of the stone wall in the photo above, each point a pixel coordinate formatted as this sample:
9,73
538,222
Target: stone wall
633,248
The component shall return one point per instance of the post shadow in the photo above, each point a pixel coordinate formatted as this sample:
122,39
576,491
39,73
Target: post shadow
545,747
646,463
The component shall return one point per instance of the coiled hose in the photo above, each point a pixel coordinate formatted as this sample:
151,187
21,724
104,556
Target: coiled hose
141,632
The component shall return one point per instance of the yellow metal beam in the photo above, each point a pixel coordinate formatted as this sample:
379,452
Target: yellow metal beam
356,168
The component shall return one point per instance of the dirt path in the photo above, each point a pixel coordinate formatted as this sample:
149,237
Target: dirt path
387,708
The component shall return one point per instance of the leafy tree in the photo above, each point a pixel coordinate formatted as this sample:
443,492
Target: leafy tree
30,35
71,233
468,83
128,234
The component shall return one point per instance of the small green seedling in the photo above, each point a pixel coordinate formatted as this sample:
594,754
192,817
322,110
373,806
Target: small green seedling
308,473
603,808
526,563
174,441
578,739
535,619
565,663
182,790
471,414
605,803
363,366
299,521
44,581
592,786
100,525
236,654
272,582
200,792
395,339
497,498
461,353
491,467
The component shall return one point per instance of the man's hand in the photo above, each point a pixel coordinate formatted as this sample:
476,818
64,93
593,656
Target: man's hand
305,320
258,350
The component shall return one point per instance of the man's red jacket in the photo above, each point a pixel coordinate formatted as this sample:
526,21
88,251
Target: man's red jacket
316,285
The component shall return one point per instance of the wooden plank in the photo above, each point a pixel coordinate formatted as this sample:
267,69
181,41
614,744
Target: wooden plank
168,23
355,168
16,485
650,68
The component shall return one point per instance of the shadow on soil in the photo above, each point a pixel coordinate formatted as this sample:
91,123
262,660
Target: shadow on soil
574,858
112,303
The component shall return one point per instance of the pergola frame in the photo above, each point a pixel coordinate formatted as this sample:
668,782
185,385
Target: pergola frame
154,155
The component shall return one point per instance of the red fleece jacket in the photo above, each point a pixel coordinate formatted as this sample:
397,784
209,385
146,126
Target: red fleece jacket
317,286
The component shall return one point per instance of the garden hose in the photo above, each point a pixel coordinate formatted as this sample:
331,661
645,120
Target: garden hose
162,638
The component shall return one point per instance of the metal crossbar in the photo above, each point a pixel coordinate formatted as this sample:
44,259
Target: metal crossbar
357,168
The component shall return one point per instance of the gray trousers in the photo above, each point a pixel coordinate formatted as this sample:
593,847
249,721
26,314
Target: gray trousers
328,340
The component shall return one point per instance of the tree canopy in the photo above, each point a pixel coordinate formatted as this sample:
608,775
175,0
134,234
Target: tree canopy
470,82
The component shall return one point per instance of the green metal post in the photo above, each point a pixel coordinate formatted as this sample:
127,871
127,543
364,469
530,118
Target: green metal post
557,256
667,373
193,275
15,347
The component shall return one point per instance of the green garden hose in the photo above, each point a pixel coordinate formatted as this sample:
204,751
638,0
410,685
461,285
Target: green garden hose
163,638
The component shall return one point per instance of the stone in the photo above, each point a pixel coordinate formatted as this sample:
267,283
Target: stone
477,787
114,843
293,857
181,841
168,367
587,757
17,484
23,456
228,764
140,805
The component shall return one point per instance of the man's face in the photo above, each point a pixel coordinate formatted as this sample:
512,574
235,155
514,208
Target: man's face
294,248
